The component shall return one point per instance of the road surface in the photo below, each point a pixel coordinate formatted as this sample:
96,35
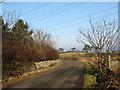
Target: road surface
68,75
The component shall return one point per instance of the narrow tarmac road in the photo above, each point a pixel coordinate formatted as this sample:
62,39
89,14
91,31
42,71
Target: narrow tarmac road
68,75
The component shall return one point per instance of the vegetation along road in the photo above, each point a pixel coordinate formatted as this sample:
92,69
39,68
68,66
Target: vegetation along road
69,75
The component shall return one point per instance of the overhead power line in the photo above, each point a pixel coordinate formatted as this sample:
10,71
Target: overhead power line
57,9
78,23
57,12
68,33
76,19
36,8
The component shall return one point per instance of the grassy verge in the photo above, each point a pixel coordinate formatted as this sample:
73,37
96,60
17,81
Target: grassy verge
89,59
89,81
89,77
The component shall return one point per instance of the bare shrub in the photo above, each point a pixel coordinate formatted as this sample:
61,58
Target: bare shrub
44,43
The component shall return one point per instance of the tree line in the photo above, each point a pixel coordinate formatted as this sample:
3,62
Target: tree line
20,43
22,46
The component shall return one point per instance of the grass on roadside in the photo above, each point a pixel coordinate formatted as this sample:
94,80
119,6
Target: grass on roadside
89,78
89,81
89,59
89,75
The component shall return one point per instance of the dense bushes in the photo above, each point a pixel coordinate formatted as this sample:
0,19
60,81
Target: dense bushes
21,46
25,53
16,58
24,46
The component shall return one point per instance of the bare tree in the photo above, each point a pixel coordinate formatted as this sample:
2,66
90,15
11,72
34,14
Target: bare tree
102,35
42,38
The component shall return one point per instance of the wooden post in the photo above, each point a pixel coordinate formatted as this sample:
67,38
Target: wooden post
109,61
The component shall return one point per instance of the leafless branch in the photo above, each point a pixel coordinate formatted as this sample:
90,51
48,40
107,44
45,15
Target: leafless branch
102,35
11,17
